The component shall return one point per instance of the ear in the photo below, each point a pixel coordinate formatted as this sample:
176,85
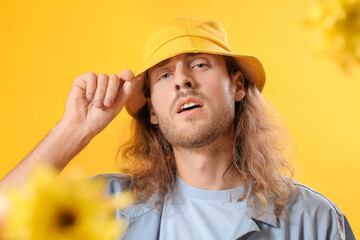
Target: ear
153,117
238,82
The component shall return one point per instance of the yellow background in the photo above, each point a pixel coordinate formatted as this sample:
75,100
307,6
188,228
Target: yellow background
44,45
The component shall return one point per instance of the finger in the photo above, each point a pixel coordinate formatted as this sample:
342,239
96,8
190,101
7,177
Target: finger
139,77
126,75
90,79
125,92
112,90
129,76
102,83
81,85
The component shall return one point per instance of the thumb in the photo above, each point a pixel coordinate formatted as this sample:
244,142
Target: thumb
131,88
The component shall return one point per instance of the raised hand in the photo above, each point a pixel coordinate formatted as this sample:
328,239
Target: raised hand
95,100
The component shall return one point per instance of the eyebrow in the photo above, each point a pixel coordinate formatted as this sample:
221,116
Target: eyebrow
166,61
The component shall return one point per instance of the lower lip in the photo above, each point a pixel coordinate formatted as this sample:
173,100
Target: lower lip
191,112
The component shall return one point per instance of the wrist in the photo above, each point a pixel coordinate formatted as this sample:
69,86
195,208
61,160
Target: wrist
72,133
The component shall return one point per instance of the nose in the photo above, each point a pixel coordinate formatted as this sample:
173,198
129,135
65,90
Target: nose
183,78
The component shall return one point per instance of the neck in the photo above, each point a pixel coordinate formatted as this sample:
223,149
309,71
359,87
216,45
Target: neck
205,167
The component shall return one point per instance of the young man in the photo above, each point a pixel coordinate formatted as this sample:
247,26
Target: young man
206,159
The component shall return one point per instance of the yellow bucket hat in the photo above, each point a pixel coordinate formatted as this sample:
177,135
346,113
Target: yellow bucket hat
190,35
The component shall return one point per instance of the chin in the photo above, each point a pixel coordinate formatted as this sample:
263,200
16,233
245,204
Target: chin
193,136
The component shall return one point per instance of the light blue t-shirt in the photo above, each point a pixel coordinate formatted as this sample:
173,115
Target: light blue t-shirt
189,213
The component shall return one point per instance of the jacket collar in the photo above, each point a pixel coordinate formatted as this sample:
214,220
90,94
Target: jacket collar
145,218
257,214
253,215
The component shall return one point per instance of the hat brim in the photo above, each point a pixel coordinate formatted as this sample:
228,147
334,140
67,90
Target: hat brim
250,66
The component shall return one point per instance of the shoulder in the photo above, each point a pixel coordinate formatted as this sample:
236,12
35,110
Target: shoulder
310,200
310,208
115,184
111,176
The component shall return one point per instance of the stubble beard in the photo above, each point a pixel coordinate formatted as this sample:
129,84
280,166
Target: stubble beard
198,135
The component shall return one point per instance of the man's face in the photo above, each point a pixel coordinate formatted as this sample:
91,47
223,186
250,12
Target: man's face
193,98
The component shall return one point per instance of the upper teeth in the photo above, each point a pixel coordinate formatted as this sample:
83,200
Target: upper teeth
190,104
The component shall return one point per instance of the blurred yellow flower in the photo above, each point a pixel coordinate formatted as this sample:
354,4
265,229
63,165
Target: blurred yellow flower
73,209
125,199
338,26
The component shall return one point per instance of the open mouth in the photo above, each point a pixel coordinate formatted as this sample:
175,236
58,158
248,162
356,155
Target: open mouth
189,106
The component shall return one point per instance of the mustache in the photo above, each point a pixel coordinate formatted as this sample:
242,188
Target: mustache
187,93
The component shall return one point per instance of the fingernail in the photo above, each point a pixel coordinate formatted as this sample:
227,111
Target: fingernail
89,95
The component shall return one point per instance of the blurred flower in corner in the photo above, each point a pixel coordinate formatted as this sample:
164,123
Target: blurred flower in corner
337,25
72,209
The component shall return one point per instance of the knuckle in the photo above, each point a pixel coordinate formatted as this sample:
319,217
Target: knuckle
77,80
86,77
103,76
89,76
113,76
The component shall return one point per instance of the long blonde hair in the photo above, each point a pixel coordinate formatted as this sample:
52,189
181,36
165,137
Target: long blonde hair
261,155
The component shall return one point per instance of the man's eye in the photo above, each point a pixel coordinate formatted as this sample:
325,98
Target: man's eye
166,75
201,65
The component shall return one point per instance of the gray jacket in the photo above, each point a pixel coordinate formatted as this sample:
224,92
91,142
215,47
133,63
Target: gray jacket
311,216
